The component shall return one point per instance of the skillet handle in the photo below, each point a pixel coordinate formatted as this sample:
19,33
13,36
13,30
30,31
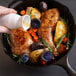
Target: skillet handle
15,3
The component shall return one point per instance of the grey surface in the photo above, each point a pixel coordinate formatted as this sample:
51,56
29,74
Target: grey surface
71,4
5,2
71,59
9,68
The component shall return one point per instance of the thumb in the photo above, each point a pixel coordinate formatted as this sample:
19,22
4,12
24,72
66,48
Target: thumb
4,30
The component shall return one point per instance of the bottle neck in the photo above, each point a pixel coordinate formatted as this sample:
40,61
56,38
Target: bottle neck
24,22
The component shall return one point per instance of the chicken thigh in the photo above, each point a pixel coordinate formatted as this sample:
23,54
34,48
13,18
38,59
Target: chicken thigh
20,41
48,24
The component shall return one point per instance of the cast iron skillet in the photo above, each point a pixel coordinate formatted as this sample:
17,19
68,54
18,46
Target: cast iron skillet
64,12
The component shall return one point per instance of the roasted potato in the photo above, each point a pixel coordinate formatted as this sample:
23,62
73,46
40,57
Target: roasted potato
34,12
61,29
34,55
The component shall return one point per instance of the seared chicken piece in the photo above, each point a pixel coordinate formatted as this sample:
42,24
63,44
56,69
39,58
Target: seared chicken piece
20,41
48,23
50,17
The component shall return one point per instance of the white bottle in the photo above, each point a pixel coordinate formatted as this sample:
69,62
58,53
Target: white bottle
13,21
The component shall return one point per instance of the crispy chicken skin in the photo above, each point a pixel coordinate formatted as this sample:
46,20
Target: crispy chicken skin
50,17
48,24
20,41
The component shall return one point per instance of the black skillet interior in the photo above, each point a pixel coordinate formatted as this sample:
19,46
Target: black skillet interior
64,13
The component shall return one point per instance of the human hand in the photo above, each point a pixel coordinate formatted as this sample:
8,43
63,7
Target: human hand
4,11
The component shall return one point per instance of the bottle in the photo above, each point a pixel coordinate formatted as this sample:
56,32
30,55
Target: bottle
13,21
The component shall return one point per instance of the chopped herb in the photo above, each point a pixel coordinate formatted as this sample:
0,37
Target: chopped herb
60,41
8,39
14,56
19,60
18,57
68,42
46,44
29,13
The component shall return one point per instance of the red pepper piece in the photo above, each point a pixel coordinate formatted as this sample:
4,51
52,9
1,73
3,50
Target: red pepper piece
62,48
64,40
43,62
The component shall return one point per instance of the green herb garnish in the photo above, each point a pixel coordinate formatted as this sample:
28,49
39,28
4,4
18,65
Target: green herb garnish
8,39
18,57
29,13
19,61
14,56
68,42
46,44
60,41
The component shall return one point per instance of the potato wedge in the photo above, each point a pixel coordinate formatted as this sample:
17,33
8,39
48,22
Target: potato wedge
61,29
34,12
34,55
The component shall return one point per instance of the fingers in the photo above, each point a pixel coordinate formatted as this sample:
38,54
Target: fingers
7,11
4,30
10,11
4,10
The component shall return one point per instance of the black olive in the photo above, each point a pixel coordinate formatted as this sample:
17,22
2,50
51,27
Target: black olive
36,45
35,23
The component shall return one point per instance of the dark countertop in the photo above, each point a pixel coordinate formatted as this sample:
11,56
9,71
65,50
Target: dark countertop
9,68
